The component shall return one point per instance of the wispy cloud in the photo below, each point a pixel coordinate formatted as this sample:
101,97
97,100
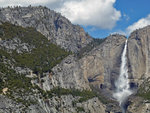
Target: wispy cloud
118,32
139,24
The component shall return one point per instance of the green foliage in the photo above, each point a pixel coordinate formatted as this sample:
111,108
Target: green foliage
100,96
13,80
145,95
89,47
144,89
3,53
27,35
42,58
17,84
80,109
20,85
58,91
1,84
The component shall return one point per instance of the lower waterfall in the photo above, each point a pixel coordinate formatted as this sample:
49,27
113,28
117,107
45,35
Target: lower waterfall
122,84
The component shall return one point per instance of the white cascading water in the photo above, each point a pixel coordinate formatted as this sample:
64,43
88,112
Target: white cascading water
122,84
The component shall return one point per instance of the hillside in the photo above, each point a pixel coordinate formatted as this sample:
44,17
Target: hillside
27,62
52,25
25,47
24,51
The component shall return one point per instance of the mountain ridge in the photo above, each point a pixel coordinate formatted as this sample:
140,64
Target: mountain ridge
52,25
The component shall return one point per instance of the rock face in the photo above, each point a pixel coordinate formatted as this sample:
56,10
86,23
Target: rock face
99,68
9,106
51,24
64,105
67,74
96,107
61,104
140,101
139,54
102,65
139,69
16,44
138,105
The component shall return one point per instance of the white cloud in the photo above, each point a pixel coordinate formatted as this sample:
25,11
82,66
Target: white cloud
139,24
119,32
100,13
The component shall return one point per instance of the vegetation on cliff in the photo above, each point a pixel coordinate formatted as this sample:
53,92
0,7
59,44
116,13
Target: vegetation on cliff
144,90
41,58
95,42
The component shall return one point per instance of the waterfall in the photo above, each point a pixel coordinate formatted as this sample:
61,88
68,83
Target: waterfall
122,84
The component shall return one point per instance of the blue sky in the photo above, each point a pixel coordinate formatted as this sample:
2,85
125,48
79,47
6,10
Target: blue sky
131,10
98,17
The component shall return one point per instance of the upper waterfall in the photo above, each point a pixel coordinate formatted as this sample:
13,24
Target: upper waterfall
122,84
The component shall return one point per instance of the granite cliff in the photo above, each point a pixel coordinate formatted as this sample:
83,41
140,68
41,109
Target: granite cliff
138,53
139,65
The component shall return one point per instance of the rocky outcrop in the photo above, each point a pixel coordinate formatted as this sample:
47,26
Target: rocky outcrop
102,65
65,105
55,27
95,107
67,74
16,44
100,68
138,105
8,106
139,54
139,69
